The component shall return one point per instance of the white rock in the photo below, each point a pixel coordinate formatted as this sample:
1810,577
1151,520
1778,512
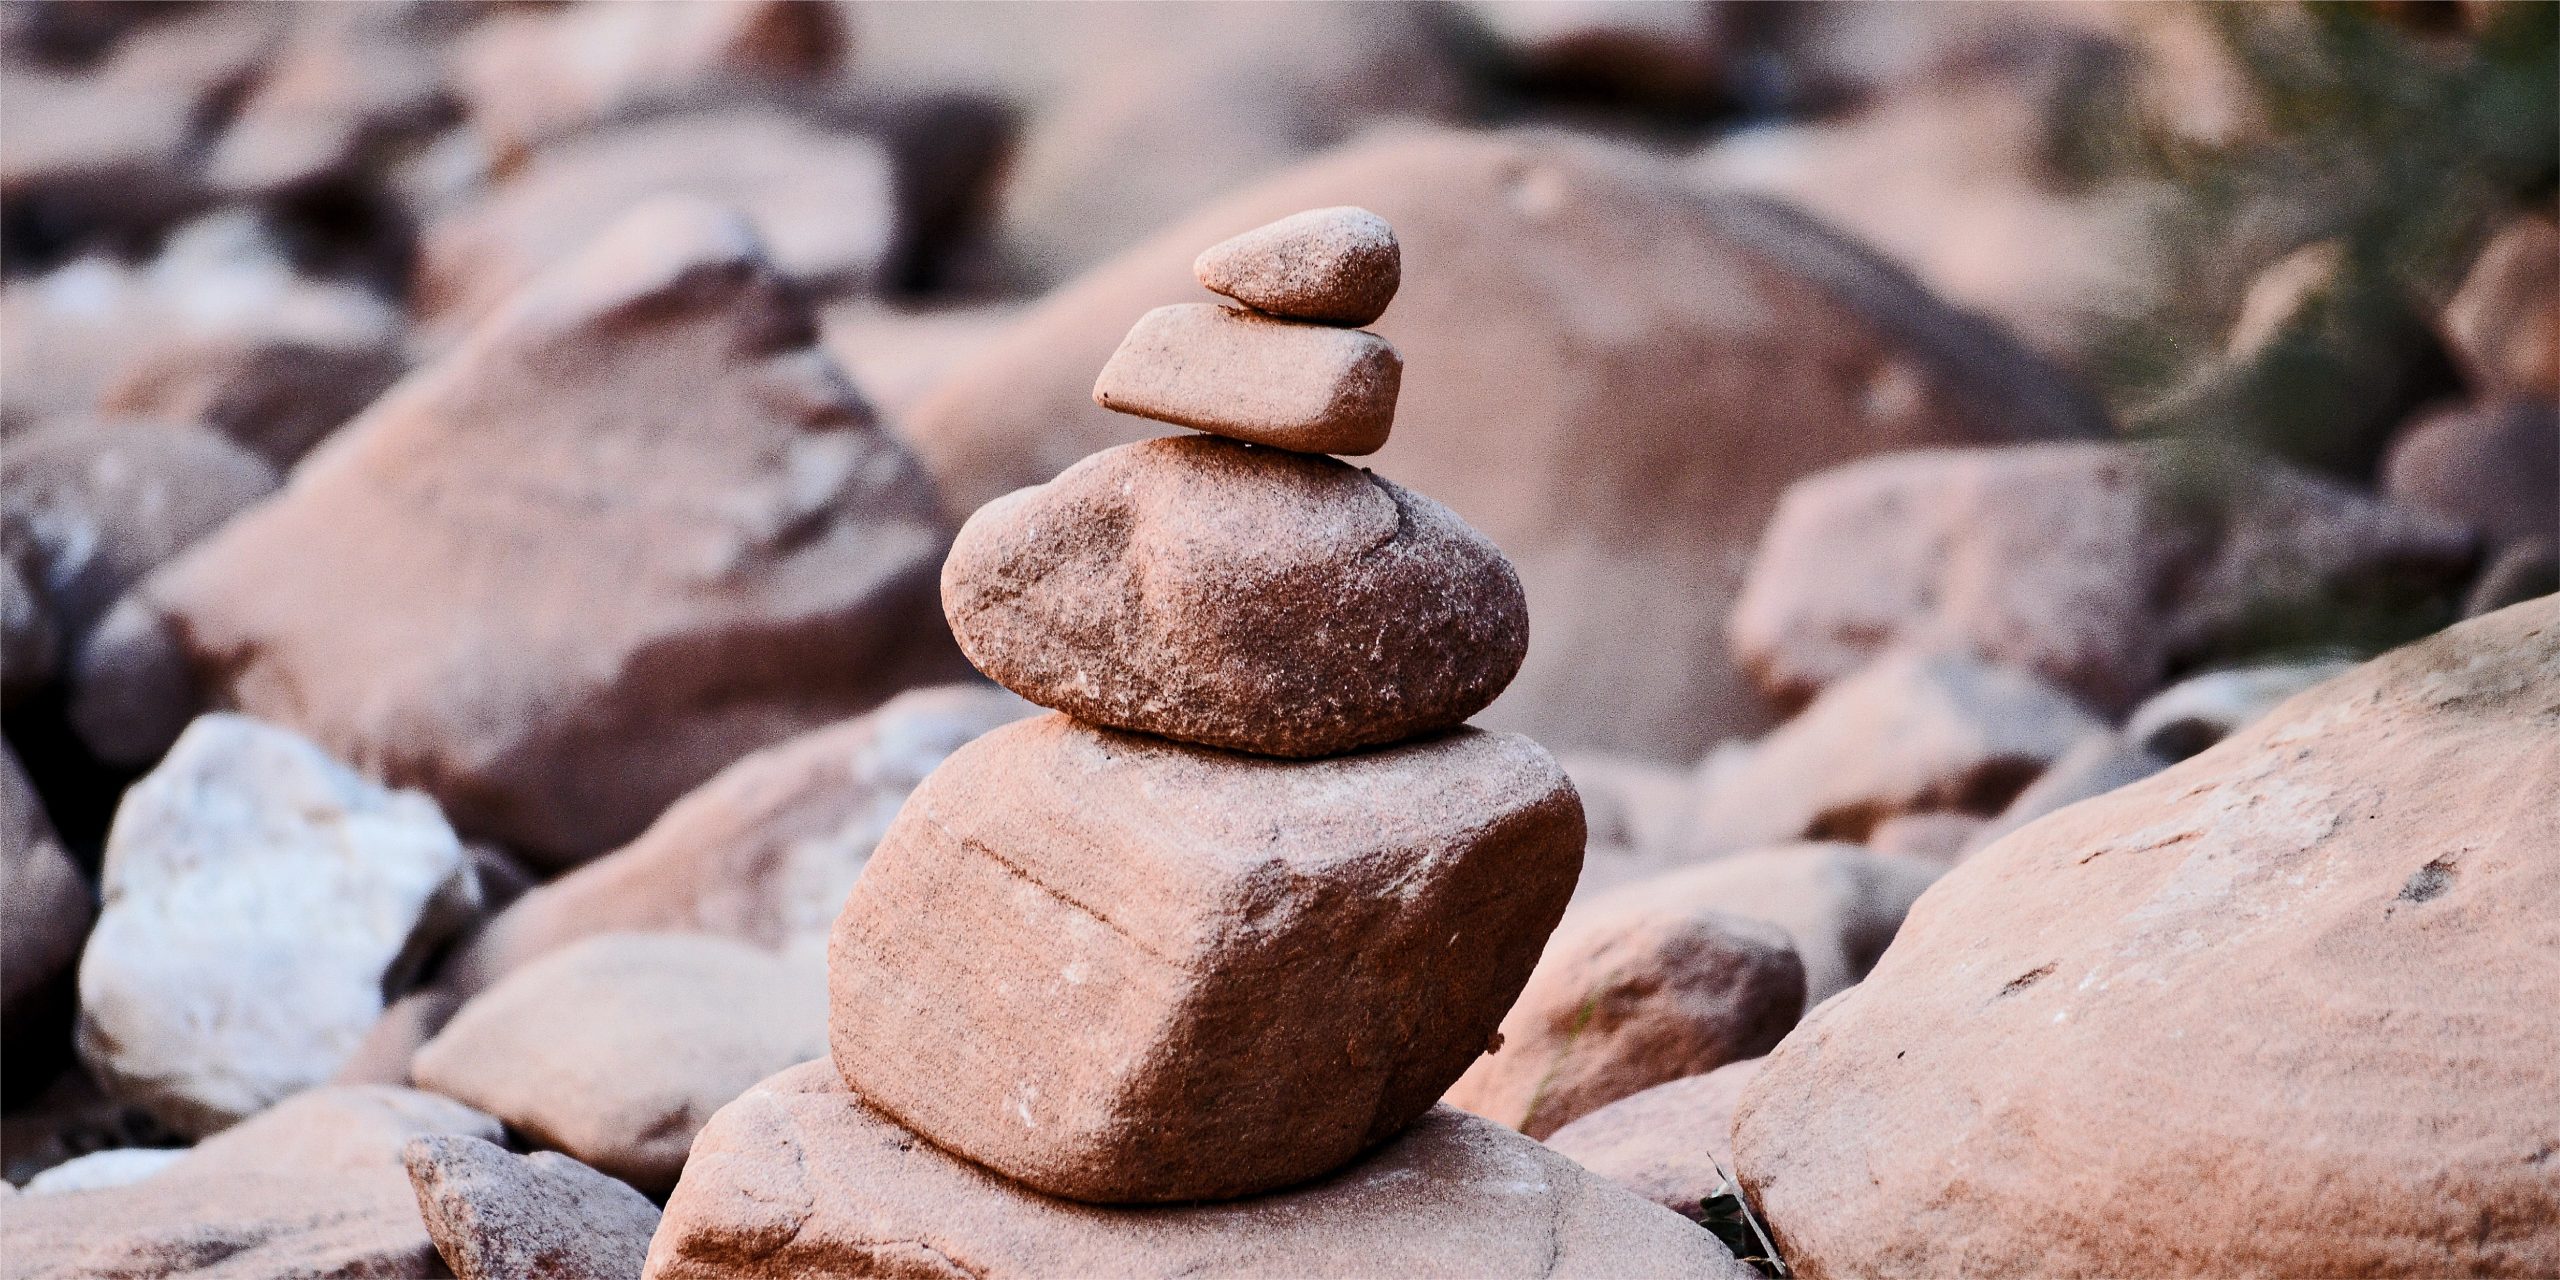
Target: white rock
115,1167
262,901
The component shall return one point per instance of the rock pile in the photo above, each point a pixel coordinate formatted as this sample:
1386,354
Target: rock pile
1240,916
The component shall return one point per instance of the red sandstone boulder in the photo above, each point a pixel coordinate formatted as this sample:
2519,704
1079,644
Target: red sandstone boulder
2280,1010
1634,990
800,1177
764,852
634,528
2099,567
1122,969
1671,1144
1252,599
1612,376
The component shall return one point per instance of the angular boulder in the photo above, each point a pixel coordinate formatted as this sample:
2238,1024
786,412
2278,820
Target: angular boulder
634,528
2099,567
495,1215
764,852
1252,599
2262,1014
261,902
1612,376
1631,992
1671,1144
1909,734
800,1177
1155,972
615,1050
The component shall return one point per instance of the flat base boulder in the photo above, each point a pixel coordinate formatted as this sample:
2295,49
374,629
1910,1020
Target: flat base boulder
800,1177
231,1226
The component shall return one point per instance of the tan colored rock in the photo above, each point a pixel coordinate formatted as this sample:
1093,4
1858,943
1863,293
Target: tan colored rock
1938,836
764,852
348,1128
1671,1144
240,1225
1912,733
2309,944
45,905
348,86
634,528
261,903
1249,377
495,1215
2493,468
1633,808
1615,421
406,1025
1250,599
1630,993
897,354
1156,972
2504,322
2094,766
1333,266
2096,566
617,1049
823,203
799,1177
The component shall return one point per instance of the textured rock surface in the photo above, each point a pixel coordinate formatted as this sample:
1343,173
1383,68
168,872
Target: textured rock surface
2096,566
253,1225
1252,378
2327,924
635,527
1630,993
799,1177
45,904
1236,597
1155,972
617,1049
1671,1144
1334,266
1839,903
261,903
1652,405
1911,733
764,852
495,1215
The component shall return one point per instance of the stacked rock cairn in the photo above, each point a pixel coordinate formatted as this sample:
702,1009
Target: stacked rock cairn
1256,897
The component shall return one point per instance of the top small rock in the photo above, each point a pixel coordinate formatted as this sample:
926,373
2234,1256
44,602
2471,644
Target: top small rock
1335,266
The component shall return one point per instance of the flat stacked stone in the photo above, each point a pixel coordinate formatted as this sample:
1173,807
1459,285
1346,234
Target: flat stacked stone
1239,916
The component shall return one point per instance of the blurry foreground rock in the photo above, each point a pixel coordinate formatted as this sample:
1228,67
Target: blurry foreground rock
617,1049
2098,567
2337,922
262,902
495,1215
312,1187
1636,385
800,1177
764,852
45,909
633,528
1671,1144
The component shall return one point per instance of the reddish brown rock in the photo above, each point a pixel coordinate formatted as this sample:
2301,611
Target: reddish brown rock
2493,468
1252,378
1671,1144
1251,599
1631,992
2257,1015
238,1225
634,528
2095,566
823,203
2504,323
495,1215
1615,421
1909,734
615,1050
799,1177
1157,972
764,852
1333,266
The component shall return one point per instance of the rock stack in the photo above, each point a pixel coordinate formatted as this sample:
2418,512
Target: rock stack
1239,915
